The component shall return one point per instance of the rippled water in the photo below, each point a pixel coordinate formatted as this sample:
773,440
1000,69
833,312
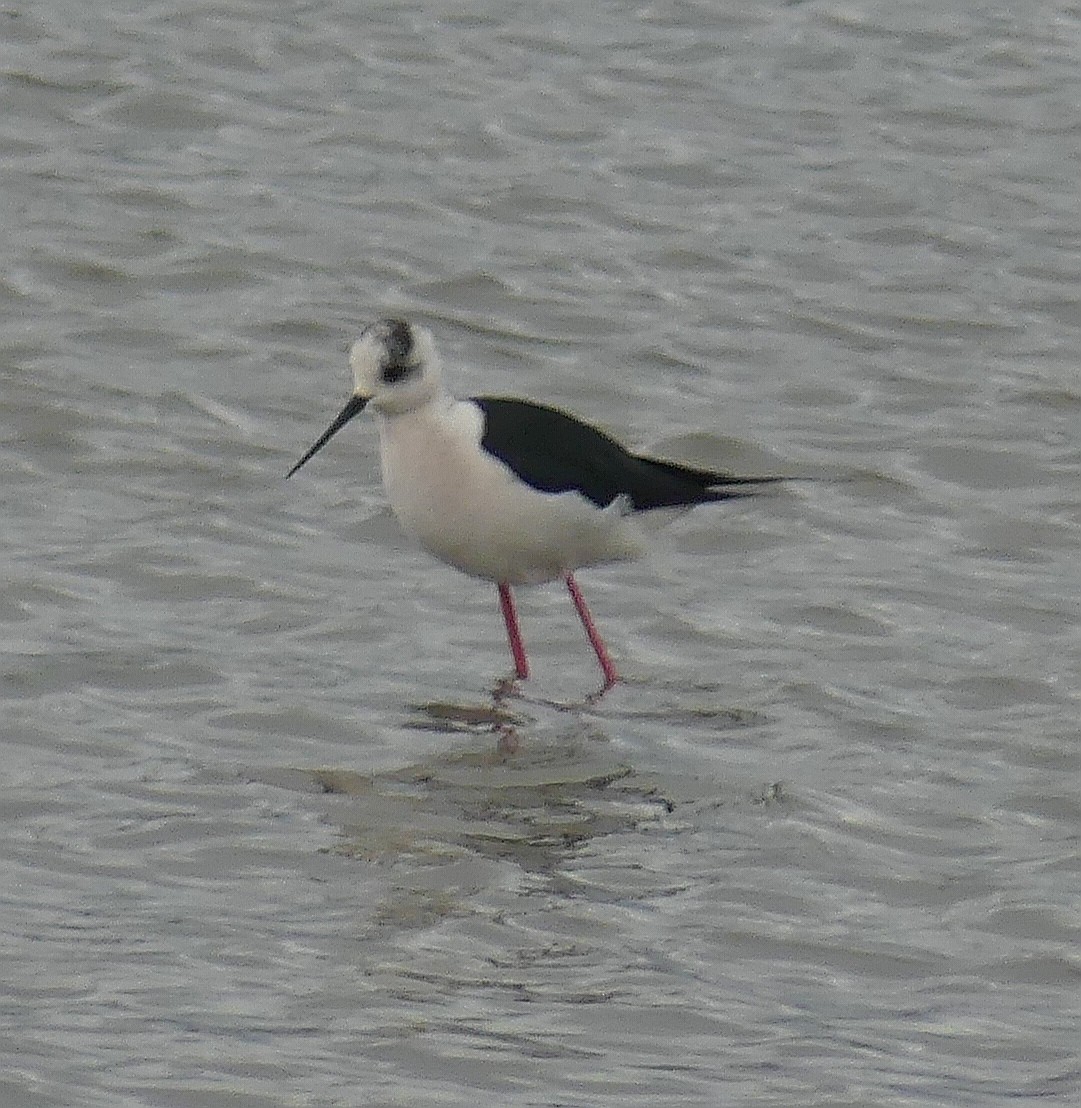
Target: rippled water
260,842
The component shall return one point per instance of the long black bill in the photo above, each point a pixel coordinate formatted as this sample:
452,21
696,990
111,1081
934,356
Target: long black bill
355,406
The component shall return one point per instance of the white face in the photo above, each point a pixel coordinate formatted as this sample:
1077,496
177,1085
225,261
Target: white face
395,366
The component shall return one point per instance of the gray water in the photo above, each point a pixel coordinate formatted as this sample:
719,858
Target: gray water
261,842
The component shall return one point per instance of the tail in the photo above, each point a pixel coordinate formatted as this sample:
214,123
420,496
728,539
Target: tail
672,485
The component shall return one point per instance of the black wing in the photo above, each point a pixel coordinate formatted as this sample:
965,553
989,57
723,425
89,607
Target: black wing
554,452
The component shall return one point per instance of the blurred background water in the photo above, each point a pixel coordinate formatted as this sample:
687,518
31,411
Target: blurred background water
259,844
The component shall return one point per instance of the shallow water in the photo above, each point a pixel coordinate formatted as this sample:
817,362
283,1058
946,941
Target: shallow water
270,834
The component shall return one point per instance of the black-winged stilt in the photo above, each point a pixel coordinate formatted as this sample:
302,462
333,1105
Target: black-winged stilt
504,489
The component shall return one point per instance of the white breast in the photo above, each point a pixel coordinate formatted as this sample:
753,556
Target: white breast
469,509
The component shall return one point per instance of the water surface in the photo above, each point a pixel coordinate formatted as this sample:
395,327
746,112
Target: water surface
261,840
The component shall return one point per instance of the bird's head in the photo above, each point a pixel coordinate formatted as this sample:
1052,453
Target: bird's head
395,366
395,369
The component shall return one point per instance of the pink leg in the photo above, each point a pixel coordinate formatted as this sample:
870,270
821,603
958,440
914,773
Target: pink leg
510,618
595,640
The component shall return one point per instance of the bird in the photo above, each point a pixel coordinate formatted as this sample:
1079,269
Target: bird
507,489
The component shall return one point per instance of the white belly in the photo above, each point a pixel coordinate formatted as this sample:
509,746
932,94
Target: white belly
469,509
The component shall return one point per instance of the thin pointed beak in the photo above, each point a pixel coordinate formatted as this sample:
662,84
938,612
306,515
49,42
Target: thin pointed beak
354,406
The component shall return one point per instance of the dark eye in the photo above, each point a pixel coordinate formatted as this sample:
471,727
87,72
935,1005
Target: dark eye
393,372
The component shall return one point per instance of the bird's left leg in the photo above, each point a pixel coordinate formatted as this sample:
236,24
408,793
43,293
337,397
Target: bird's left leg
595,640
